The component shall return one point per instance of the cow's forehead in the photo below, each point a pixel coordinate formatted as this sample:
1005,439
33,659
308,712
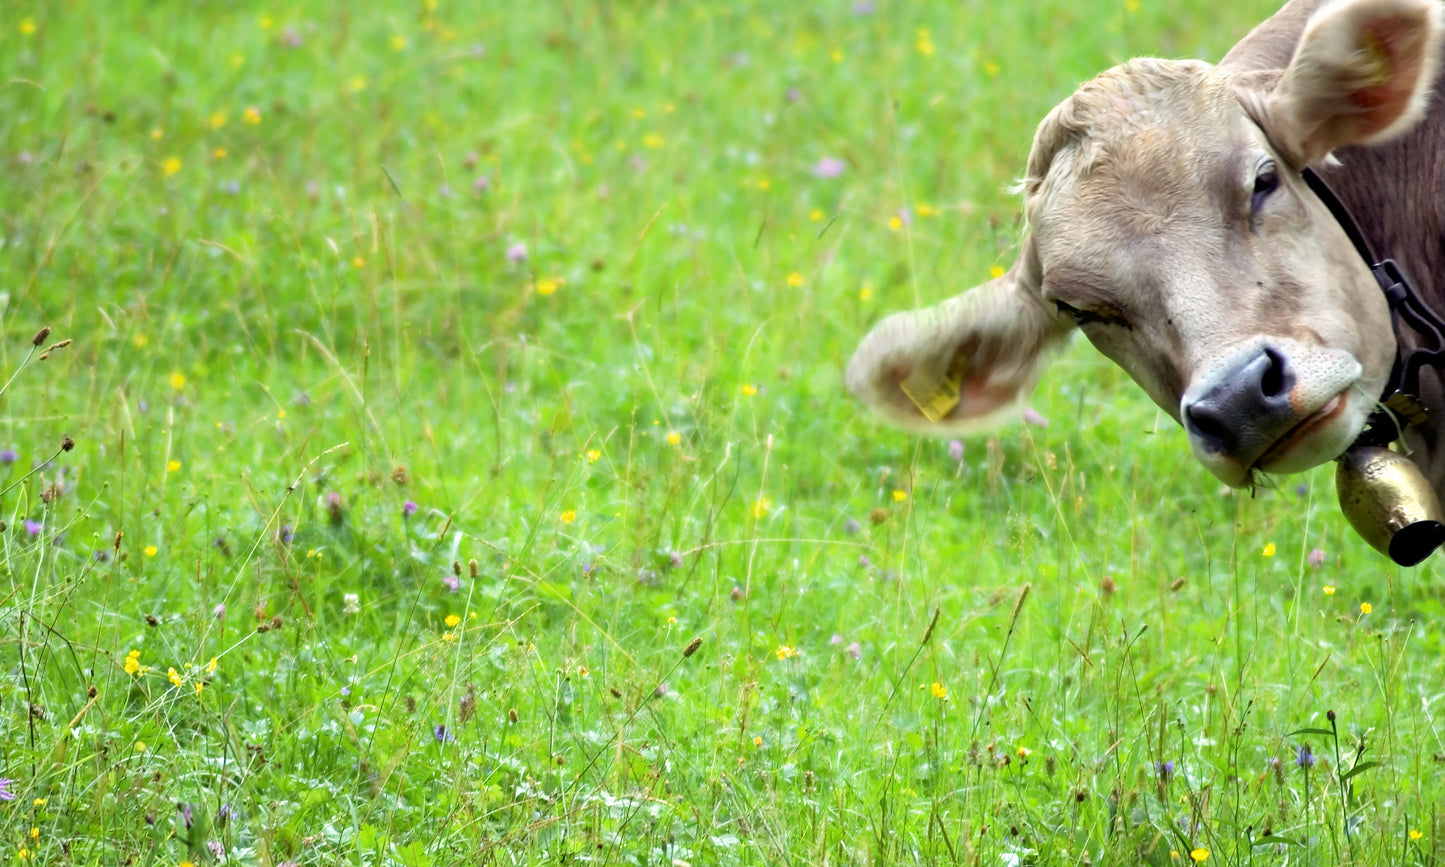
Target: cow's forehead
1154,124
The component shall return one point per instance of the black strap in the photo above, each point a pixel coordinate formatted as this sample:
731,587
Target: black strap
1403,388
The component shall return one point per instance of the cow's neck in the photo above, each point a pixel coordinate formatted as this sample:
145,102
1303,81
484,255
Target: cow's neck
1396,192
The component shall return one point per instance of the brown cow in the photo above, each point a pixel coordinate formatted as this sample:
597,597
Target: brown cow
1169,220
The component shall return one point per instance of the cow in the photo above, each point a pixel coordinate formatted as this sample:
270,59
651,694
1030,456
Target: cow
1173,213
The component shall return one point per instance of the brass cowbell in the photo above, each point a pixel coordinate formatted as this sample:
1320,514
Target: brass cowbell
1389,503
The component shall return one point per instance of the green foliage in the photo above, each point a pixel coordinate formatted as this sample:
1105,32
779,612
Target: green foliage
439,373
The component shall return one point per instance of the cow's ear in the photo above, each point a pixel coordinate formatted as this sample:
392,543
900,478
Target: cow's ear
1361,73
961,365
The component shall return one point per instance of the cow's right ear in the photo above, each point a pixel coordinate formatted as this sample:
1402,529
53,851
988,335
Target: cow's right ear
1362,72
963,364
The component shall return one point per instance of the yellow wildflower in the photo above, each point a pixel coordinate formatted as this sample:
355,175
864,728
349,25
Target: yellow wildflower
865,293
173,466
926,210
548,287
170,166
358,262
27,26
140,746
252,115
1329,589
895,223
453,620
217,119
218,153
173,676
212,666
757,740
178,381
900,495
673,438
132,662
593,455
795,279
938,690
1366,608
200,685
1199,855
1415,835
816,214
996,271
925,42
749,389
569,516
653,140
152,550
784,652
398,42
836,55
1269,550
761,507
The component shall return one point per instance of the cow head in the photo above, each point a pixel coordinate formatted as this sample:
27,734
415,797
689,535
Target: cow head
1168,221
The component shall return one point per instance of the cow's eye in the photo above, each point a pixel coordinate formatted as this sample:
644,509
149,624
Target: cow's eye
1266,181
1081,317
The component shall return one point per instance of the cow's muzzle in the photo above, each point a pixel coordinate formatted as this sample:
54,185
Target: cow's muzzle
1273,404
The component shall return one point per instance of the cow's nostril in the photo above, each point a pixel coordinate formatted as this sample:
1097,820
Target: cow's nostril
1275,379
1208,424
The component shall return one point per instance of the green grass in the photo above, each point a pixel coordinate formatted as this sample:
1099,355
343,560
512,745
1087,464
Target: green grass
288,326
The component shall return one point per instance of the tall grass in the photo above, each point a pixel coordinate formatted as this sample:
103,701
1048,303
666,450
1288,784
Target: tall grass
442,375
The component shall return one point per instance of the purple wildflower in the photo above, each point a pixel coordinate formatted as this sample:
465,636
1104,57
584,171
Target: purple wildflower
851,526
442,735
855,650
223,815
408,509
185,814
9,456
453,582
864,7
333,507
345,690
1305,759
1164,770
955,450
829,167
517,253
34,528
101,555
1031,416
285,534
6,794
231,188
481,185
836,640
217,849
794,94
1317,557
219,611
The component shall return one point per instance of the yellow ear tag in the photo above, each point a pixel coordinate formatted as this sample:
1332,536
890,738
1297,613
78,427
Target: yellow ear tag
936,396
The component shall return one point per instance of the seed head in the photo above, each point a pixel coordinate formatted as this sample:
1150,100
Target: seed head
40,336
692,646
67,444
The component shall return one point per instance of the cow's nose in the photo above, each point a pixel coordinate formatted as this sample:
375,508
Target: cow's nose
1246,404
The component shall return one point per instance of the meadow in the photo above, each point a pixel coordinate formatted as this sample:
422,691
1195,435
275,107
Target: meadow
439,455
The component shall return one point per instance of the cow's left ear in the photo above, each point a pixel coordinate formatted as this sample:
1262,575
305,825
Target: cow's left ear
964,364
1361,73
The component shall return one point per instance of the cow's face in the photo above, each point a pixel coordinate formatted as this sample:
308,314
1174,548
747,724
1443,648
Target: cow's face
1169,222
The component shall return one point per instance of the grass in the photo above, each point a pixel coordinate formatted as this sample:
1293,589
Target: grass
440,377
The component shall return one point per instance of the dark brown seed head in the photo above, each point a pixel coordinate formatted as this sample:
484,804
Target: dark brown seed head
40,336
692,646
512,715
67,444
